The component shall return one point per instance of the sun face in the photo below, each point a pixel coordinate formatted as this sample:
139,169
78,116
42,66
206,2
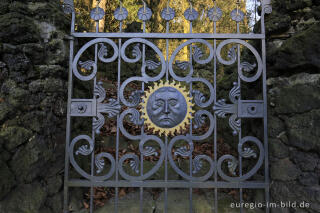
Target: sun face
167,108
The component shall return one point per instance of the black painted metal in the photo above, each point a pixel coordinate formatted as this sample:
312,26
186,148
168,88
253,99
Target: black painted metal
168,106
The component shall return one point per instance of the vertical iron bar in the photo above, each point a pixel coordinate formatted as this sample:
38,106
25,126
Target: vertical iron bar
239,135
142,128
141,188
93,133
68,125
66,171
190,159
118,121
166,138
167,53
141,173
265,119
166,176
215,119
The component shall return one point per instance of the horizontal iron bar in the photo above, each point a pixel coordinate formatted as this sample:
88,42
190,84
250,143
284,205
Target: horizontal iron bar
170,35
168,184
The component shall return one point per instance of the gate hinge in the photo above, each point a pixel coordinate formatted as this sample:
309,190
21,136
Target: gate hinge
83,108
250,109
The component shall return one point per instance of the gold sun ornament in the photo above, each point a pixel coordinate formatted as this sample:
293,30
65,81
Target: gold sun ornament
167,108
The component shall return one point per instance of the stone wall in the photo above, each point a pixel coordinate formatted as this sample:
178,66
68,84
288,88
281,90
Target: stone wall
294,102
33,76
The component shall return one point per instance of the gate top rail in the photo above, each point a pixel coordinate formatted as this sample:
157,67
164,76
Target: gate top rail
170,35
190,14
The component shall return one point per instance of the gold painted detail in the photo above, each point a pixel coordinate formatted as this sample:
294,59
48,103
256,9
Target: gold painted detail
173,130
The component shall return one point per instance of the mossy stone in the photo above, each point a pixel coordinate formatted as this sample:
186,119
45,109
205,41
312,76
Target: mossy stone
284,170
55,203
54,184
275,126
14,136
19,27
297,53
34,51
4,7
5,110
278,149
7,180
35,120
51,71
30,160
36,86
54,85
26,198
19,7
277,23
5,155
295,94
304,131
18,97
286,6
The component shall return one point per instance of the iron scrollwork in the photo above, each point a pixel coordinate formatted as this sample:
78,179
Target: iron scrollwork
221,108
233,58
245,153
86,150
112,108
68,6
174,115
197,56
95,107
91,65
185,152
146,65
134,100
266,6
238,109
135,162
138,119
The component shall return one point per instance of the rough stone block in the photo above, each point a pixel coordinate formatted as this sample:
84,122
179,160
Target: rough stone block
284,170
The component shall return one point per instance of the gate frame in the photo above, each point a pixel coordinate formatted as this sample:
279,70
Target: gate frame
237,107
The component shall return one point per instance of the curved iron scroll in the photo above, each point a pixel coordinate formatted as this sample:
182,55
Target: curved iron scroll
90,65
189,136
87,150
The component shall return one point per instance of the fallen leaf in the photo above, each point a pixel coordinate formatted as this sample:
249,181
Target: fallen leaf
122,192
86,205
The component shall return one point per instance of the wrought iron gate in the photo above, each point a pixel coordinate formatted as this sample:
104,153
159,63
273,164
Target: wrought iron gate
168,108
